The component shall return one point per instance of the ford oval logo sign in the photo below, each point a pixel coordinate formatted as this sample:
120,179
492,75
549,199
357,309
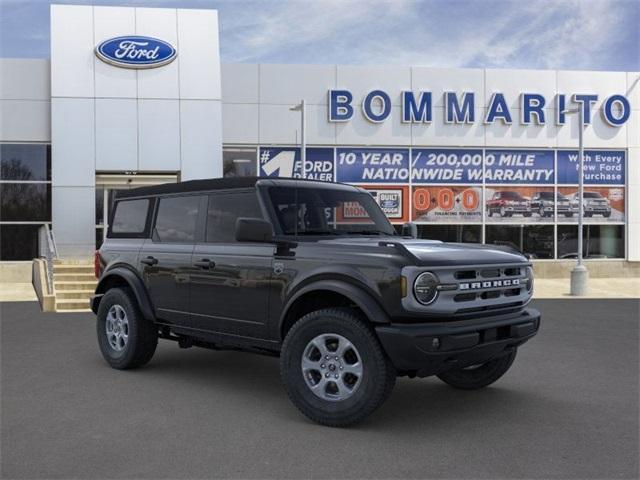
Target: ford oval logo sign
134,51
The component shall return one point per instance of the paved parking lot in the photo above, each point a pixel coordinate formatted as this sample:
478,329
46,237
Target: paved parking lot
567,409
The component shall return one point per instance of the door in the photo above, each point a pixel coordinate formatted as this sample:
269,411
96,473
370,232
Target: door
230,289
165,259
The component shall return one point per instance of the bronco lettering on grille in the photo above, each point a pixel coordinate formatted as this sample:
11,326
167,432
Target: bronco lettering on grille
490,284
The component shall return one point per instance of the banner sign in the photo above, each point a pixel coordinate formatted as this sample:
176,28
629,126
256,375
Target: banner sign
434,165
447,204
518,166
600,167
601,205
286,163
372,165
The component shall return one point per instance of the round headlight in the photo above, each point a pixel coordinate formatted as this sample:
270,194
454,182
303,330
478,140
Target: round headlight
529,279
425,288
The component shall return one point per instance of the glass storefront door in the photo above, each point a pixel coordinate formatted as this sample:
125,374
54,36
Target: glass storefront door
107,186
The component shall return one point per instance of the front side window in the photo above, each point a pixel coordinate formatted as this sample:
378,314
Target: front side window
130,216
224,209
328,211
176,219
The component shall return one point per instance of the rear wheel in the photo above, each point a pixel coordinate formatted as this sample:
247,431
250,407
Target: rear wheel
126,338
479,376
334,369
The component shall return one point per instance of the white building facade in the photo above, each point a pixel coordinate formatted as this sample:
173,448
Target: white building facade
470,155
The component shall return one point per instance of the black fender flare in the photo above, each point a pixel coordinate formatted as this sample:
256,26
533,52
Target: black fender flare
135,283
365,302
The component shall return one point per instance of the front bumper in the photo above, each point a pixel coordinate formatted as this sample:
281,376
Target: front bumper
602,210
413,349
517,209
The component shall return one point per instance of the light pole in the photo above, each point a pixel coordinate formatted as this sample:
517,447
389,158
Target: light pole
580,274
303,140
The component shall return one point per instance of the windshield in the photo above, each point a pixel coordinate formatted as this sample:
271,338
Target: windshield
512,196
546,195
327,211
592,195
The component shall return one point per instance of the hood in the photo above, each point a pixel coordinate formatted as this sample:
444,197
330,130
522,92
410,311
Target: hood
436,253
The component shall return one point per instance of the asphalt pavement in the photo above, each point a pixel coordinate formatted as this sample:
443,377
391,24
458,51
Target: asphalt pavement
568,408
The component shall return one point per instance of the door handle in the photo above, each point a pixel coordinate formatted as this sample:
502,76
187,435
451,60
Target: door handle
149,261
205,263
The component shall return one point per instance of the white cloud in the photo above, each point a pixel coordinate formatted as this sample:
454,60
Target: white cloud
580,34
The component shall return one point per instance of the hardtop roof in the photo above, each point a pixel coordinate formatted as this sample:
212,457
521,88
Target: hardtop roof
218,184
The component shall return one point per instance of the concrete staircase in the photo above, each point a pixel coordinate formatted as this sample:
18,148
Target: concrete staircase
73,283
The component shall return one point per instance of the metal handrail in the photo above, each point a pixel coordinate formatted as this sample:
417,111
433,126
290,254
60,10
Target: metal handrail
50,253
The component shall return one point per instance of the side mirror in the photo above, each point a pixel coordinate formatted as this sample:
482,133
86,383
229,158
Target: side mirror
253,230
410,229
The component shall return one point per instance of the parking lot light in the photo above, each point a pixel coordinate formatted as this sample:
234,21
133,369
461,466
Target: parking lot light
303,141
580,274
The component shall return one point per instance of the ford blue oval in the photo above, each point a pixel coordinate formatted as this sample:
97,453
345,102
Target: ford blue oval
135,51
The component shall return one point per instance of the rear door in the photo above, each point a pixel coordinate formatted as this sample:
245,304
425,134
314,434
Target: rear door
230,286
165,259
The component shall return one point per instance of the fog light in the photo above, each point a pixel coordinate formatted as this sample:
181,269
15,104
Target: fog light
435,343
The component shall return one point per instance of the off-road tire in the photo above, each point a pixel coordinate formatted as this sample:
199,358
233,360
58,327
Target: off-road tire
142,334
378,377
480,377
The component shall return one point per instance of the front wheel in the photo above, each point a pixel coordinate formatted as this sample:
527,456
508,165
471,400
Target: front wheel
479,376
125,337
334,369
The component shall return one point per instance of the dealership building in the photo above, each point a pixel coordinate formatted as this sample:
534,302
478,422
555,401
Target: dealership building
470,155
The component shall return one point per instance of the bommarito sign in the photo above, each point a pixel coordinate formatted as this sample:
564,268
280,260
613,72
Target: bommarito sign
460,108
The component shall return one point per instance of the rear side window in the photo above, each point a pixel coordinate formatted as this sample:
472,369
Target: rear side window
176,219
224,210
130,217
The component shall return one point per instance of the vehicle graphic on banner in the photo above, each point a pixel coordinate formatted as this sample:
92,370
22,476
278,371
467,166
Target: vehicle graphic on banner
601,204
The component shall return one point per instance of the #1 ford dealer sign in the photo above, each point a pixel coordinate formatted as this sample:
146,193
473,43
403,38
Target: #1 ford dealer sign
136,52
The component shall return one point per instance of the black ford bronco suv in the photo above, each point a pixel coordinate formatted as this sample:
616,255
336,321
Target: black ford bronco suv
312,272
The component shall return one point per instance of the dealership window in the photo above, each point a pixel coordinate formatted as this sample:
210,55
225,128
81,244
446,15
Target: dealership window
25,198
451,233
239,162
534,240
598,241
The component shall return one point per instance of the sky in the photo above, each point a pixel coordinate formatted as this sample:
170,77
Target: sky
533,34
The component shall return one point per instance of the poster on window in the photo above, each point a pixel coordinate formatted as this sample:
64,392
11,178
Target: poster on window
286,162
601,204
447,203
601,167
394,201
529,167
446,166
507,204
372,165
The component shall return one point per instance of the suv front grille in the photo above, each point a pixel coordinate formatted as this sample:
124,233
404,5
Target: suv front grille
489,284
479,289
